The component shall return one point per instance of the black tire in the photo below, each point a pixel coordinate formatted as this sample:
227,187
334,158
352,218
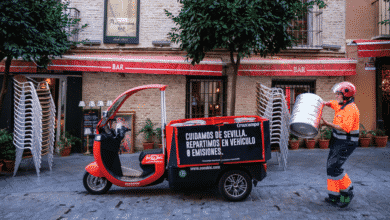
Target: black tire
235,185
96,185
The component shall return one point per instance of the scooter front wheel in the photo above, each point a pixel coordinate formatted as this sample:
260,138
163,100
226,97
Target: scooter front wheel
96,185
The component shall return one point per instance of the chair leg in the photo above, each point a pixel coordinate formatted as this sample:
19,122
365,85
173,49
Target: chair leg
19,153
36,161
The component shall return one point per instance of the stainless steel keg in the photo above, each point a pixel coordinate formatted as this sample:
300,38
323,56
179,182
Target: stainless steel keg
306,115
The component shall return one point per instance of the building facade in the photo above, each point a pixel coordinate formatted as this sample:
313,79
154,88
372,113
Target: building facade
368,42
111,62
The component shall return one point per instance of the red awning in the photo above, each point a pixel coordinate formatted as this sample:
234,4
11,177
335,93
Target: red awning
177,65
372,48
298,67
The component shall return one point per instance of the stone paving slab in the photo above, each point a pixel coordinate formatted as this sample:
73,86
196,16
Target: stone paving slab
297,193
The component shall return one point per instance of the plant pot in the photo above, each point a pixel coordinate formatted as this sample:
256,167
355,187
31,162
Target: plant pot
364,142
148,145
310,143
294,144
380,141
9,166
324,144
65,152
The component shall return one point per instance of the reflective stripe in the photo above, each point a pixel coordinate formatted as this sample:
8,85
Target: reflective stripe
339,177
354,139
342,137
333,193
345,182
354,132
339,132
347,189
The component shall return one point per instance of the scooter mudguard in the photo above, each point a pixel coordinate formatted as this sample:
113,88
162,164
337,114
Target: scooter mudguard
94,170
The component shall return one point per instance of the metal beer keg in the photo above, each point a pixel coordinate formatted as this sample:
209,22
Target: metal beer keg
306,115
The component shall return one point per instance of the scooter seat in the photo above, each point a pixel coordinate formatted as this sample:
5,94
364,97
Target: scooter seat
144,153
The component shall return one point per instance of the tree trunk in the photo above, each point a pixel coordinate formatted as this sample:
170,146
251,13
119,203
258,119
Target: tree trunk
5,81
234,83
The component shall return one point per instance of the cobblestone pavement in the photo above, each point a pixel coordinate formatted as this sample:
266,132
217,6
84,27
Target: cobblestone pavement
297,193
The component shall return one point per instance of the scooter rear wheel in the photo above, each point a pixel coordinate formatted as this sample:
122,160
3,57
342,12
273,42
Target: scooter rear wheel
96,185
235,185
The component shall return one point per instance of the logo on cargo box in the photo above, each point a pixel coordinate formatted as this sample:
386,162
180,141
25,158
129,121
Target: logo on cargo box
182,173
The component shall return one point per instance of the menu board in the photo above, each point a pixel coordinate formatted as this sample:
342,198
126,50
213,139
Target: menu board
90,120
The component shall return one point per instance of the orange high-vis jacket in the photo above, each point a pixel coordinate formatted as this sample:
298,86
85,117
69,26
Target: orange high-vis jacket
347,118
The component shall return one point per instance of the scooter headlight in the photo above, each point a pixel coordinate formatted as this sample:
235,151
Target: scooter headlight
98,137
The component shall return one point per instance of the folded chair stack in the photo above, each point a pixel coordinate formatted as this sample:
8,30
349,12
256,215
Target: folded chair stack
271,104
34,121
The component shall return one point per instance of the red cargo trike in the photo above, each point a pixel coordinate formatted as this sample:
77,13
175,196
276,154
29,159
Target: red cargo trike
230,152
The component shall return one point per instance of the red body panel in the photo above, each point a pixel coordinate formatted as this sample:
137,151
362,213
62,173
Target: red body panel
157,159
94,169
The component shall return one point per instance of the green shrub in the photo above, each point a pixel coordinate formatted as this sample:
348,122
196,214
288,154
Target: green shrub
7,148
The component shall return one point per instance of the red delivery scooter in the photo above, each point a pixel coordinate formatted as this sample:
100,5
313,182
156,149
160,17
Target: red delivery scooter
230,152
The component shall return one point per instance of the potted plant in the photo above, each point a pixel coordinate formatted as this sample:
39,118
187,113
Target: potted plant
380,137
66,142
310,143
159,137
293,142
149,133
326,134
7,150
364,138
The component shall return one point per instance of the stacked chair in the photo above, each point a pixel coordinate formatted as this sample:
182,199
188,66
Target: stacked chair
271,104
34,121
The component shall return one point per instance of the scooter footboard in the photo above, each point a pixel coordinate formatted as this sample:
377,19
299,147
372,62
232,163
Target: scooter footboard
94,169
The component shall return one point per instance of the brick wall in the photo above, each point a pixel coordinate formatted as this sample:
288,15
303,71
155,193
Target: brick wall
146,103
333,23
246,92
155,25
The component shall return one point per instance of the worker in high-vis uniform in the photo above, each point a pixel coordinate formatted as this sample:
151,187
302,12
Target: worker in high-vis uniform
345,137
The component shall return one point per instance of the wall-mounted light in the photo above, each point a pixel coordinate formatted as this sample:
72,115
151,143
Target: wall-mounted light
92,42
109,103
91,104
331,47
82,104
161,43
100,104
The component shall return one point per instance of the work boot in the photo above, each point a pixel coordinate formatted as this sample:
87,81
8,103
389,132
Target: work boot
346,198
333,200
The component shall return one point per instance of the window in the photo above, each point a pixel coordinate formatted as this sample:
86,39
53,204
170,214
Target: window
205,97
292,88
307,28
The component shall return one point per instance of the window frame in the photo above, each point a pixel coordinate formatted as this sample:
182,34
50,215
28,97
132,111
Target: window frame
283,83
188,93
313,19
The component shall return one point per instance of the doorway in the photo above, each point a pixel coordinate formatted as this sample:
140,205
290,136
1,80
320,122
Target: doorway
386,98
